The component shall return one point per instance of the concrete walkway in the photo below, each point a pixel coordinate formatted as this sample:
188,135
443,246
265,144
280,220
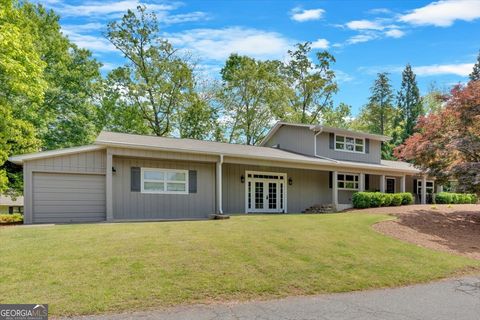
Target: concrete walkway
457,299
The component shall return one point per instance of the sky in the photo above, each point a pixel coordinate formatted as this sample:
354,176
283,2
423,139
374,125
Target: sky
440,39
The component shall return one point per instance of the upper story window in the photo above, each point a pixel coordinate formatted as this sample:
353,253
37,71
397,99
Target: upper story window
168,181
349,144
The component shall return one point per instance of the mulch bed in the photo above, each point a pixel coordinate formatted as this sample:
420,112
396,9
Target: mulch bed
454,228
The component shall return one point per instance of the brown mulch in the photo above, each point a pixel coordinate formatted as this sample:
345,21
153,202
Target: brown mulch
454,228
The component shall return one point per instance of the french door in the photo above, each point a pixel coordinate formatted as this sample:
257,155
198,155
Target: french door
265,192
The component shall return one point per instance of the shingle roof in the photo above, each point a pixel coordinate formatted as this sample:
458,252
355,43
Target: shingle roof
236,150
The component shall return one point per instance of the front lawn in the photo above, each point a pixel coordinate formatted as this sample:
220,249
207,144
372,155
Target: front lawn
85,269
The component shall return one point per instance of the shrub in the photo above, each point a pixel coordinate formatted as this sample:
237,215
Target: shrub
407,198
11,218
377,199
397,199
455,198
361,200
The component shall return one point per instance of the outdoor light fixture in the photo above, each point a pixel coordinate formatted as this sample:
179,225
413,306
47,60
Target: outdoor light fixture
114,170
290,181
242,179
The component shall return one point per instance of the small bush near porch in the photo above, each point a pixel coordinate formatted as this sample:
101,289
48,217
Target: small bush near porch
455,198
362,200
94,268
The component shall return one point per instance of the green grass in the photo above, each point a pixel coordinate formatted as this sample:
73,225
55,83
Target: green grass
86,269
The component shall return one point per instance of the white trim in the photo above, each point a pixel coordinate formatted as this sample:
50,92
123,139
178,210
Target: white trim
345,143
344,181
19,159
282,207
165,182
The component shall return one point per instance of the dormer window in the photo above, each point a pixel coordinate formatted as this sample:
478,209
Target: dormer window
349,144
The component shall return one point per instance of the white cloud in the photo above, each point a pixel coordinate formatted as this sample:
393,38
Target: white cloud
301,15
461,69
91,42
443,13
394,33
166,18
364,25
93,26
320,44
112,7
380,11
218,44
359,38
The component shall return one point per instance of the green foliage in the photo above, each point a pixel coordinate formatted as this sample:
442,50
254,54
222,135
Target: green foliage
455,198
312,84
409,106
378,199
251,94
156,87
11,218
338,117
475,75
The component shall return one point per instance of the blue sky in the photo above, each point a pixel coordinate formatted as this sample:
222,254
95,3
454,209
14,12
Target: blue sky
439,39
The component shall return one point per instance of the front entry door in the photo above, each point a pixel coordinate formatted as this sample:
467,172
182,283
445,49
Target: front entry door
390,185
265,194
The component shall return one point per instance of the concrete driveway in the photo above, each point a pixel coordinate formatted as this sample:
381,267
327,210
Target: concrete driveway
457,299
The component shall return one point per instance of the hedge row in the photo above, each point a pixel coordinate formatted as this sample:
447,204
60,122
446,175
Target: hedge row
11,218
378,199
451,198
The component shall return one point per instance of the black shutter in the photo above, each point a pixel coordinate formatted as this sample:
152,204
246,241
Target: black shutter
135,179
330,179
415,186
192,181
367,182
367,145
332,141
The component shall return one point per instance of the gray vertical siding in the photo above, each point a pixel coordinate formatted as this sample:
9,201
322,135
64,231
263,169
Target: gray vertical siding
296,139
309,187
323,149
137,205
90,162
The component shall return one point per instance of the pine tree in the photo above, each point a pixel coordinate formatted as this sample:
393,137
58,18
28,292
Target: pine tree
379,108
475,75
409,106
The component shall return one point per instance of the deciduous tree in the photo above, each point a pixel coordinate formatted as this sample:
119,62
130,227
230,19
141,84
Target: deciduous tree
447,144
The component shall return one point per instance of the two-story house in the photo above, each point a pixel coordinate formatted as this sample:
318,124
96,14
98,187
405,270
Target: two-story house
132,177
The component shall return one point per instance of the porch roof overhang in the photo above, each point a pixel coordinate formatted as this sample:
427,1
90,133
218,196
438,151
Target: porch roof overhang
236,153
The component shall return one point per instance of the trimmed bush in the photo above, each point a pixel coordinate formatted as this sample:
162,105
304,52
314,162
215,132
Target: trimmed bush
455,198
407,198
377,199
397,199
11,218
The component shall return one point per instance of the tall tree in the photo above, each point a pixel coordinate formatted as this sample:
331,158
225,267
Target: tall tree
378,115
475,75
312,82
22,86
409,105
156,82
251,94
338,117
447,144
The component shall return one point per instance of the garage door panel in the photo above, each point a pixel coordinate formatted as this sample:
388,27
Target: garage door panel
95,196
60,198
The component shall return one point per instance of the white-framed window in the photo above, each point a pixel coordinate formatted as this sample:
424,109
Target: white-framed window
166,181
429,186
349,144
347,181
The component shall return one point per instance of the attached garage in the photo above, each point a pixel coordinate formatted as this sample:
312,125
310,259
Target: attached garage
66,198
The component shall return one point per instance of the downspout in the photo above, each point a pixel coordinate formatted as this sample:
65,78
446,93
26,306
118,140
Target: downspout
218,173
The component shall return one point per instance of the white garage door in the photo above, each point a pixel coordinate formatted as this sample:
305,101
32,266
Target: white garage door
64,198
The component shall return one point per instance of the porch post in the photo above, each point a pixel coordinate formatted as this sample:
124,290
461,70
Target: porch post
402,184
362,182
218,187
108,187
424,190
382,183
439,188
334,190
